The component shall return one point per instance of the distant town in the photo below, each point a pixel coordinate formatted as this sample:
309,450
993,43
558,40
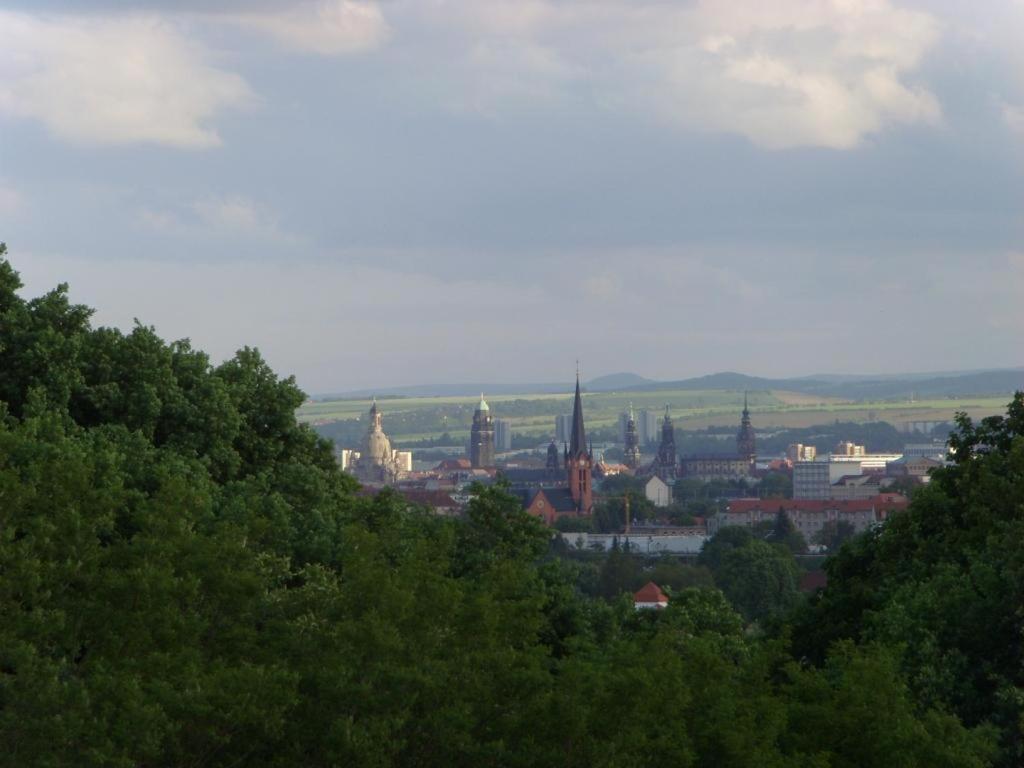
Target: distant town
642,492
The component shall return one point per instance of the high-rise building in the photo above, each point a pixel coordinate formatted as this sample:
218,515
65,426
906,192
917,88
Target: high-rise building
563,428
647,427
665,463
811,480
631,441
579,459
746,441
502,435
800,452
481,437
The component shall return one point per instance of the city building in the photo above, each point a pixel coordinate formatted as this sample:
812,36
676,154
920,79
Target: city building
658,492
376,462
547,503
934,450
809,516
811,480
502,435
726,466
563,428
919,467
647,541
846,448
481,437
859,487
647,427
800,452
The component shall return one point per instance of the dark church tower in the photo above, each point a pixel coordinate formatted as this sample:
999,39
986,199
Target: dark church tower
632,448
578,460
665,462
553,464
746,442
481,437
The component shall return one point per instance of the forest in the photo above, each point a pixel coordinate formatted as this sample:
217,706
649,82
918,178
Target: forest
187,579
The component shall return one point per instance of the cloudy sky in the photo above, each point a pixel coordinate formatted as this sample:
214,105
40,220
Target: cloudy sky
387,192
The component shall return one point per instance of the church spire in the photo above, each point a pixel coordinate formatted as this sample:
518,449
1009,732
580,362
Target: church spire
578,459
578,439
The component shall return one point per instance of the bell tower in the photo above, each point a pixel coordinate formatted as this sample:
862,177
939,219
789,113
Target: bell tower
579,460
632,447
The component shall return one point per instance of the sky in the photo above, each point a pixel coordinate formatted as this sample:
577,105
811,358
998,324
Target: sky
396,192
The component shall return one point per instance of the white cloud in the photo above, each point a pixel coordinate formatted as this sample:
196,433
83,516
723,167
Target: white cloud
325,27
788,73
111,80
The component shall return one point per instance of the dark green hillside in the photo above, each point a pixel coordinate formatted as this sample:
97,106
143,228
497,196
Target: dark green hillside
186,579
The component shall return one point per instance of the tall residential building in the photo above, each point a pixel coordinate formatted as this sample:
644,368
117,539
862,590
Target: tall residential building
746,441
502,435
811,480
631,441
579,460
481,437
846,448
800,452
647,427
563,428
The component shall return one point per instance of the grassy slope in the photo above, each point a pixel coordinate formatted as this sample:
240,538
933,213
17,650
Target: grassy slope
690,409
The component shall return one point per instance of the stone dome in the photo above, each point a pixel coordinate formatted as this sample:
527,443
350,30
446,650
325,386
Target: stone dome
376,447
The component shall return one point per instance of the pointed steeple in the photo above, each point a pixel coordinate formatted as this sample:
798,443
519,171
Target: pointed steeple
578,439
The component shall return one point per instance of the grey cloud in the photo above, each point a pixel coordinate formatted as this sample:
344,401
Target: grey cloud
388,219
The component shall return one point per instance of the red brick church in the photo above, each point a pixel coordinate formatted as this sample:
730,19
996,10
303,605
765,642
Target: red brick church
577,499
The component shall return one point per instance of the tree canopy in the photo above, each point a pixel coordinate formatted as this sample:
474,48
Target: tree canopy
186,578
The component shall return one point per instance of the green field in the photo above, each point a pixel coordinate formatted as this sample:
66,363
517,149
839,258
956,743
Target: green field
417,418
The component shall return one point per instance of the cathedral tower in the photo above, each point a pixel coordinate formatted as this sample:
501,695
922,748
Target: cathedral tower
578,459
553,464
632,447
481,439
746,441
665,462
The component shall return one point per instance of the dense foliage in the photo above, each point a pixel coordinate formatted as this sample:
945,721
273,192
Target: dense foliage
187,579
944,584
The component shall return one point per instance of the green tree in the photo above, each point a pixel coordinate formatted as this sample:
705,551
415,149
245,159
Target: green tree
835,533
932,576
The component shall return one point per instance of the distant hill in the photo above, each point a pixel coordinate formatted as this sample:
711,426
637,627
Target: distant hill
727,380
915,386
615,381
847,386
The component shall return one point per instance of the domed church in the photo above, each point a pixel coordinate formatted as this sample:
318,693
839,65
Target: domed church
376,462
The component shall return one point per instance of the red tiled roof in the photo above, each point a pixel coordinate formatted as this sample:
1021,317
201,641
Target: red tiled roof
650,593
449,465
